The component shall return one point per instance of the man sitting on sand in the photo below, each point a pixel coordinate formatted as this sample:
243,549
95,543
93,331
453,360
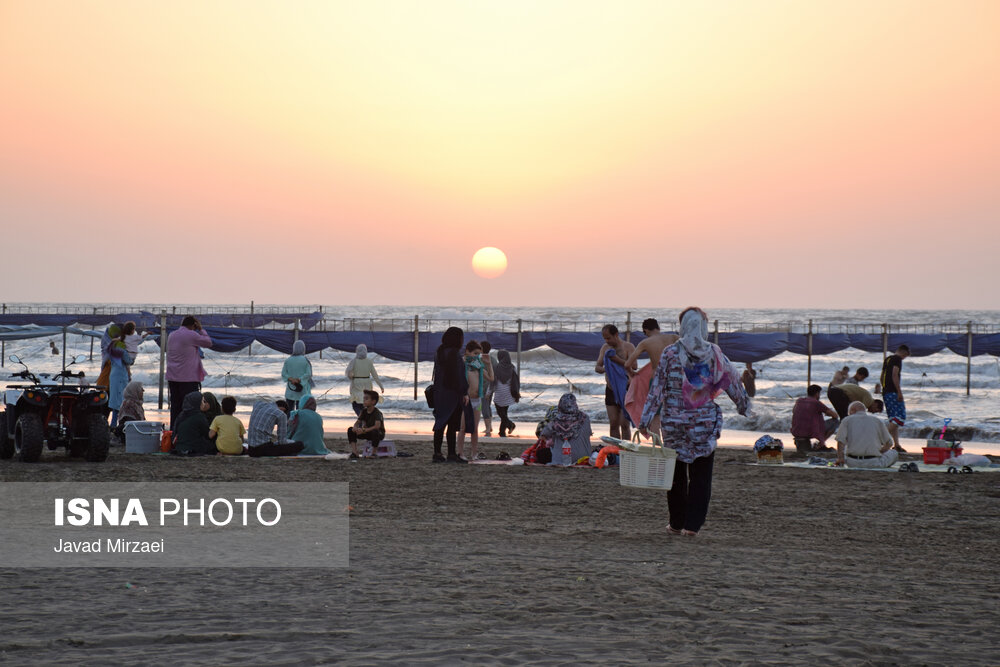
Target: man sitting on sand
808,423
263,420
863,441
841,396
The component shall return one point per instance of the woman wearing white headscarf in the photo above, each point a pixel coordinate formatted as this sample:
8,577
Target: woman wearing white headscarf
360,371
691,373
297,374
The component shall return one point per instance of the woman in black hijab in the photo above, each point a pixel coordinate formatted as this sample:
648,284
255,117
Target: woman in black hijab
451,393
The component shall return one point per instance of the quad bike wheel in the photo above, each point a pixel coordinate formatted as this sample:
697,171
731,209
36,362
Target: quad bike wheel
6,443
98,439
28,437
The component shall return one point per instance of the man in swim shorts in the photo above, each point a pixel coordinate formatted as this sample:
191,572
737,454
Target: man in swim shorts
616,413
892,393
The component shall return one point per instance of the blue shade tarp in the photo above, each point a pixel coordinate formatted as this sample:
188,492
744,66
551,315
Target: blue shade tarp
32,331
740,347
148,320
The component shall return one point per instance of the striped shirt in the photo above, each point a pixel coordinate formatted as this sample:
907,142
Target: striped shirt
263,419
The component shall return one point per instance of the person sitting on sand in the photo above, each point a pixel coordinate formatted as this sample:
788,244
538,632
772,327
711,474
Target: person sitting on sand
569,431
264,419
227,430
370,424
191,430
841,397
808,423
214,409
863,441
691,374
131,409
306,426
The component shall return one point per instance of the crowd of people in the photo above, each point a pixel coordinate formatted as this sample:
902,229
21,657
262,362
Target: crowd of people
860,443
672,397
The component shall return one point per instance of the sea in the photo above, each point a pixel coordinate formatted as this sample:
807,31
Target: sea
934,386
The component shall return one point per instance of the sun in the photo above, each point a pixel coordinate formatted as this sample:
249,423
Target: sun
489,262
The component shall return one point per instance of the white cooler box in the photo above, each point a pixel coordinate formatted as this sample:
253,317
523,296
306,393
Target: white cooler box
142,437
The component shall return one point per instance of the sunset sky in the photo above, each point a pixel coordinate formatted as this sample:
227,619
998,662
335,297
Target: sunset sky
756,153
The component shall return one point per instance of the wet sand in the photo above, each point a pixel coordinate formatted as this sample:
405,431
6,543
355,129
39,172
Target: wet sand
515,565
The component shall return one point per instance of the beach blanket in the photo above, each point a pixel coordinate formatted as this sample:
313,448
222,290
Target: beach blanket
921,466
638,390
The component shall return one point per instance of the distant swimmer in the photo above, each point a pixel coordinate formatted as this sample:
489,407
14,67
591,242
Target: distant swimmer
840,377
749,380
52,346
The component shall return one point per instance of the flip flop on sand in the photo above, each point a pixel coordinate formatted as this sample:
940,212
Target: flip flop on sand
689,533
673,531
909,467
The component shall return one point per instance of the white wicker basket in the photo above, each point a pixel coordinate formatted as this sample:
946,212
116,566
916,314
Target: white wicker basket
647,467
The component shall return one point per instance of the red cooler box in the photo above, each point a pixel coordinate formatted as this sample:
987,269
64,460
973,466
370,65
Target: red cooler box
935,454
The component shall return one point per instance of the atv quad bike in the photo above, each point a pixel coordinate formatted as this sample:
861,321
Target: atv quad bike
50,413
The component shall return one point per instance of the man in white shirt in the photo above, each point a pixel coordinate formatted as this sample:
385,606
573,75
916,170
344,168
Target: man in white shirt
863,441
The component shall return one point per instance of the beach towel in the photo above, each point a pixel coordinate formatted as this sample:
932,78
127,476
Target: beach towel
617,380
638,389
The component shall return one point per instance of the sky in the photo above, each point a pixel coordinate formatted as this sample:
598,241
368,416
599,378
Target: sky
766,154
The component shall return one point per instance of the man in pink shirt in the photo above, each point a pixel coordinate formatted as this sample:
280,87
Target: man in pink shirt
184,369
808,422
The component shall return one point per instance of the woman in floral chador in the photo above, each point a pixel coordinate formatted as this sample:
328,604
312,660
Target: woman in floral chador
692,372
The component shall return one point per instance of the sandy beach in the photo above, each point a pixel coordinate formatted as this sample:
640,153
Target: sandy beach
488,564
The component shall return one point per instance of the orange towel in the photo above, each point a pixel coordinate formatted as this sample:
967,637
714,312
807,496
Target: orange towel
638,390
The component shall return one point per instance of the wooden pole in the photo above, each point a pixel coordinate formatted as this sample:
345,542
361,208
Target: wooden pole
519,347
295,337
92,328
253,325
3,345
716,334
968,364
885,342
163,353
809,366
416,354
628,326
64,347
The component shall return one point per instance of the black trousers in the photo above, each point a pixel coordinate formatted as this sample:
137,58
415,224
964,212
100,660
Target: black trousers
454,423
178,390
274,449
688,498
374,437
505,423
838,397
